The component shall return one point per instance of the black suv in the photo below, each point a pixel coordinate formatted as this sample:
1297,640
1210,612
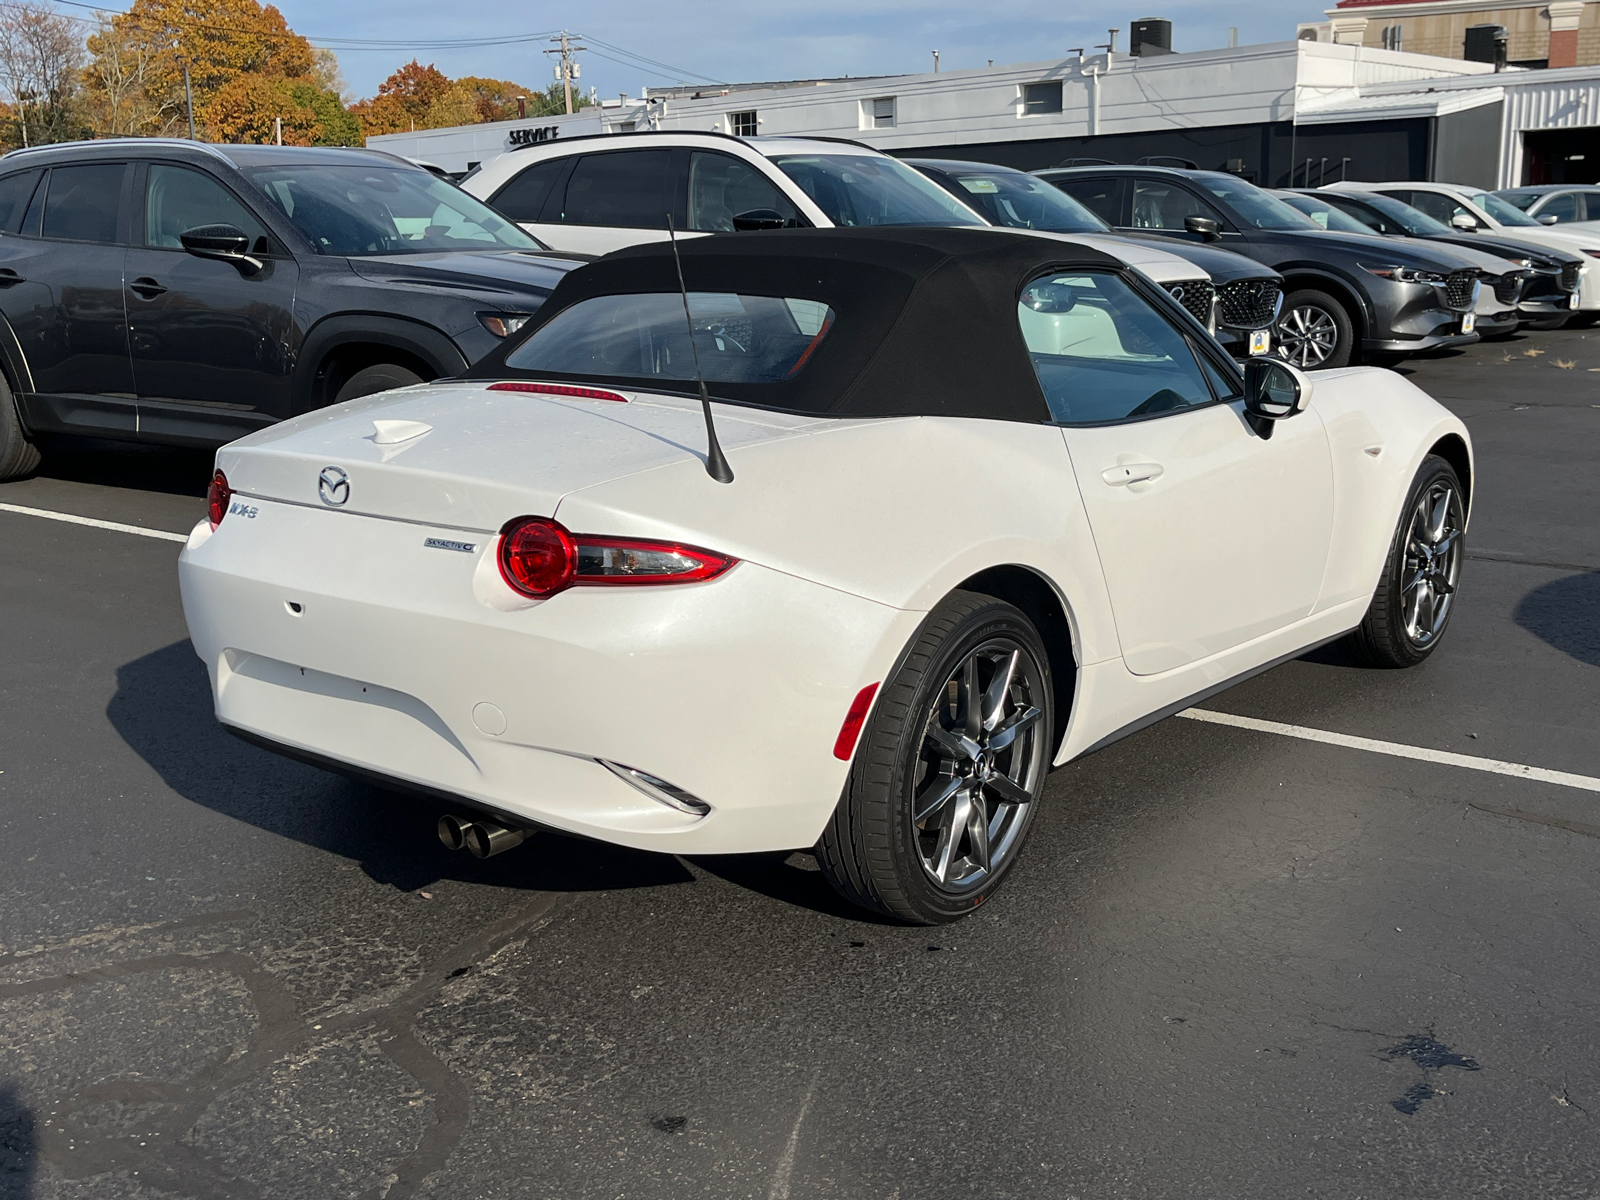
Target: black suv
1347,294
189,294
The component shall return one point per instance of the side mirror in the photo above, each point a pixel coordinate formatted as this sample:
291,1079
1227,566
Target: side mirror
226,243
1273,391
1207,228
759,218
1464,222
1549,219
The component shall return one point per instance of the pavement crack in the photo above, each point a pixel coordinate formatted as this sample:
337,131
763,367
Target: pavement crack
1578,827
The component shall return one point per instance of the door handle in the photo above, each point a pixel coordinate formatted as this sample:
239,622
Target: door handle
147,288
8,277
1123,475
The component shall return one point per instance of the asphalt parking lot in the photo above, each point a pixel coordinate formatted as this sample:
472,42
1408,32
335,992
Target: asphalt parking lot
1231,964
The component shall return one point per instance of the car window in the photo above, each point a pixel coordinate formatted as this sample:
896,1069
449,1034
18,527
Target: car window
1158,204
379,209
1366,214
1102,352
1523,200
625,189
1102,197
15,192
1591,202
1563,206
873,189
739,338
81,203
1326,216
1434,204
1019,201
523,199
178,199
1398,216
1253,206
721,188
1497,208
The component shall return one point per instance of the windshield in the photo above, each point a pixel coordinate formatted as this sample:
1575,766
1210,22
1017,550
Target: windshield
863,189
1020,201
1326,215
1522,200
1497,208
739,338
1254,207
1412,220
379,209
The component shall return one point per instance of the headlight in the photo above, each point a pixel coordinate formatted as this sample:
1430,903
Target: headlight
503,324
1404,274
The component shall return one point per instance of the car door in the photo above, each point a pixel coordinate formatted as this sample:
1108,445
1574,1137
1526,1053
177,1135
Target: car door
1563,206
1209,534
210,340
610,199
61,292
722,187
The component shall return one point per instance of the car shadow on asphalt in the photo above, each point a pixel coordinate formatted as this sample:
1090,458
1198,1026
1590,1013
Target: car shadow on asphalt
18,1145
172,470
1565,613
162,710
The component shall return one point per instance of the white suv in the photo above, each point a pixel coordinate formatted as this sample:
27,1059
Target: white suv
597,194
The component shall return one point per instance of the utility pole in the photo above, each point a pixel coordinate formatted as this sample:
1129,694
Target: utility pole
566,69
277,130
935,62
188,100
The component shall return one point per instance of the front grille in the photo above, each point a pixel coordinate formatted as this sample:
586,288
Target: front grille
1248,303
1569,276
1458,288
1195,296
1508,288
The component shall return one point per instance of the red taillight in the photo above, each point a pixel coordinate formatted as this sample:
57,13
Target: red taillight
539,558
845,744
217,497
559,389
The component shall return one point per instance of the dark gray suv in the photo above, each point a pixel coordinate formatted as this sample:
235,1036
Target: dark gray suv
1349,296
189,294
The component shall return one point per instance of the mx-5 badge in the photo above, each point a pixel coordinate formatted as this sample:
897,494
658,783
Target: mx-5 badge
333,485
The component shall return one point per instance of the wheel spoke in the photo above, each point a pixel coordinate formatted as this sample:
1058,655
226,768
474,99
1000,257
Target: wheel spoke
978,830
936,796
1008,789
950,831
1007,733
994,700
1438,517
971,701
953,744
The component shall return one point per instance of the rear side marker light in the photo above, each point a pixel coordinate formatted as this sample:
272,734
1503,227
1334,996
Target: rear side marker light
559,389
845,745
539,557
217,497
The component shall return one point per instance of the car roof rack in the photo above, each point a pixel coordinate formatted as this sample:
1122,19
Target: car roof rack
626,133
1165,160
1087,162
141,142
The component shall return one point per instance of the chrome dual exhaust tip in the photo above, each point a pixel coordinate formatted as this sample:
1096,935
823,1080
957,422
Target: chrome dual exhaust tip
484,838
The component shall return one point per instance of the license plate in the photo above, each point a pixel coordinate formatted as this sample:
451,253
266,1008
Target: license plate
1469,322
1572,300
1260,341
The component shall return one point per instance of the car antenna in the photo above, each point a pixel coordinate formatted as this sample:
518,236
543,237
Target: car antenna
716,465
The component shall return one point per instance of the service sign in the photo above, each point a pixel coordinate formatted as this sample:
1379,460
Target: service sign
532,136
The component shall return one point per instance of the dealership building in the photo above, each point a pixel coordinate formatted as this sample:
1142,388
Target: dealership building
1300,112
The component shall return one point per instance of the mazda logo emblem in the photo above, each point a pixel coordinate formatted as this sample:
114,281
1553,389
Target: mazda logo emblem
333,485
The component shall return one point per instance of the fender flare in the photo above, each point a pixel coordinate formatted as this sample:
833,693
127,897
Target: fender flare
15,365
1340,286
414,338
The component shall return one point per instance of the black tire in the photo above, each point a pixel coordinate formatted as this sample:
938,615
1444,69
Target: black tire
1391,635
380,377
1306,317
874,850
18,456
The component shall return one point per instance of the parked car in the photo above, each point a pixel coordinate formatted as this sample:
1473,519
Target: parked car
1473,210
596,194
953,552
1550,292
1502,279
1556,203
178,292
1348,295
1244,298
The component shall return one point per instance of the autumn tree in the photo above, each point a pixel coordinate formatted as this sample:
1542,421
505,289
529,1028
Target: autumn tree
41,64
249,109
423,97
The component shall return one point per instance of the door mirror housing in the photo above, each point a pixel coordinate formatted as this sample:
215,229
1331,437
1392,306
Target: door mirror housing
1273,391
1548,219
1464,222
1208,229
226,243
759,218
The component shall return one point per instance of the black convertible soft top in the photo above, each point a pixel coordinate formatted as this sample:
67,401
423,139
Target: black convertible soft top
926,319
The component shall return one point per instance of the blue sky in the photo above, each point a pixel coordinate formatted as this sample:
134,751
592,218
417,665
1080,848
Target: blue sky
723,40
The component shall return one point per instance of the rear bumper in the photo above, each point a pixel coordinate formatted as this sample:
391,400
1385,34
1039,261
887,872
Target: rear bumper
420,667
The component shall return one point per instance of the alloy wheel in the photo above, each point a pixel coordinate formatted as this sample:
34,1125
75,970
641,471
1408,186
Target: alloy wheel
1432,562
979,766
1307,336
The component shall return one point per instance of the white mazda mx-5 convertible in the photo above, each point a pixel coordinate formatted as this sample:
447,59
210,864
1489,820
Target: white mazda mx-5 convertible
961,505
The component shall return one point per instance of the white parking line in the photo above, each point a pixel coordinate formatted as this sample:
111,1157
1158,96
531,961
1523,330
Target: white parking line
1399,750
138,530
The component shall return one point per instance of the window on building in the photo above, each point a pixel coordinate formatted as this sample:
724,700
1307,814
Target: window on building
1041,98
879,113
1391,37
742,124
